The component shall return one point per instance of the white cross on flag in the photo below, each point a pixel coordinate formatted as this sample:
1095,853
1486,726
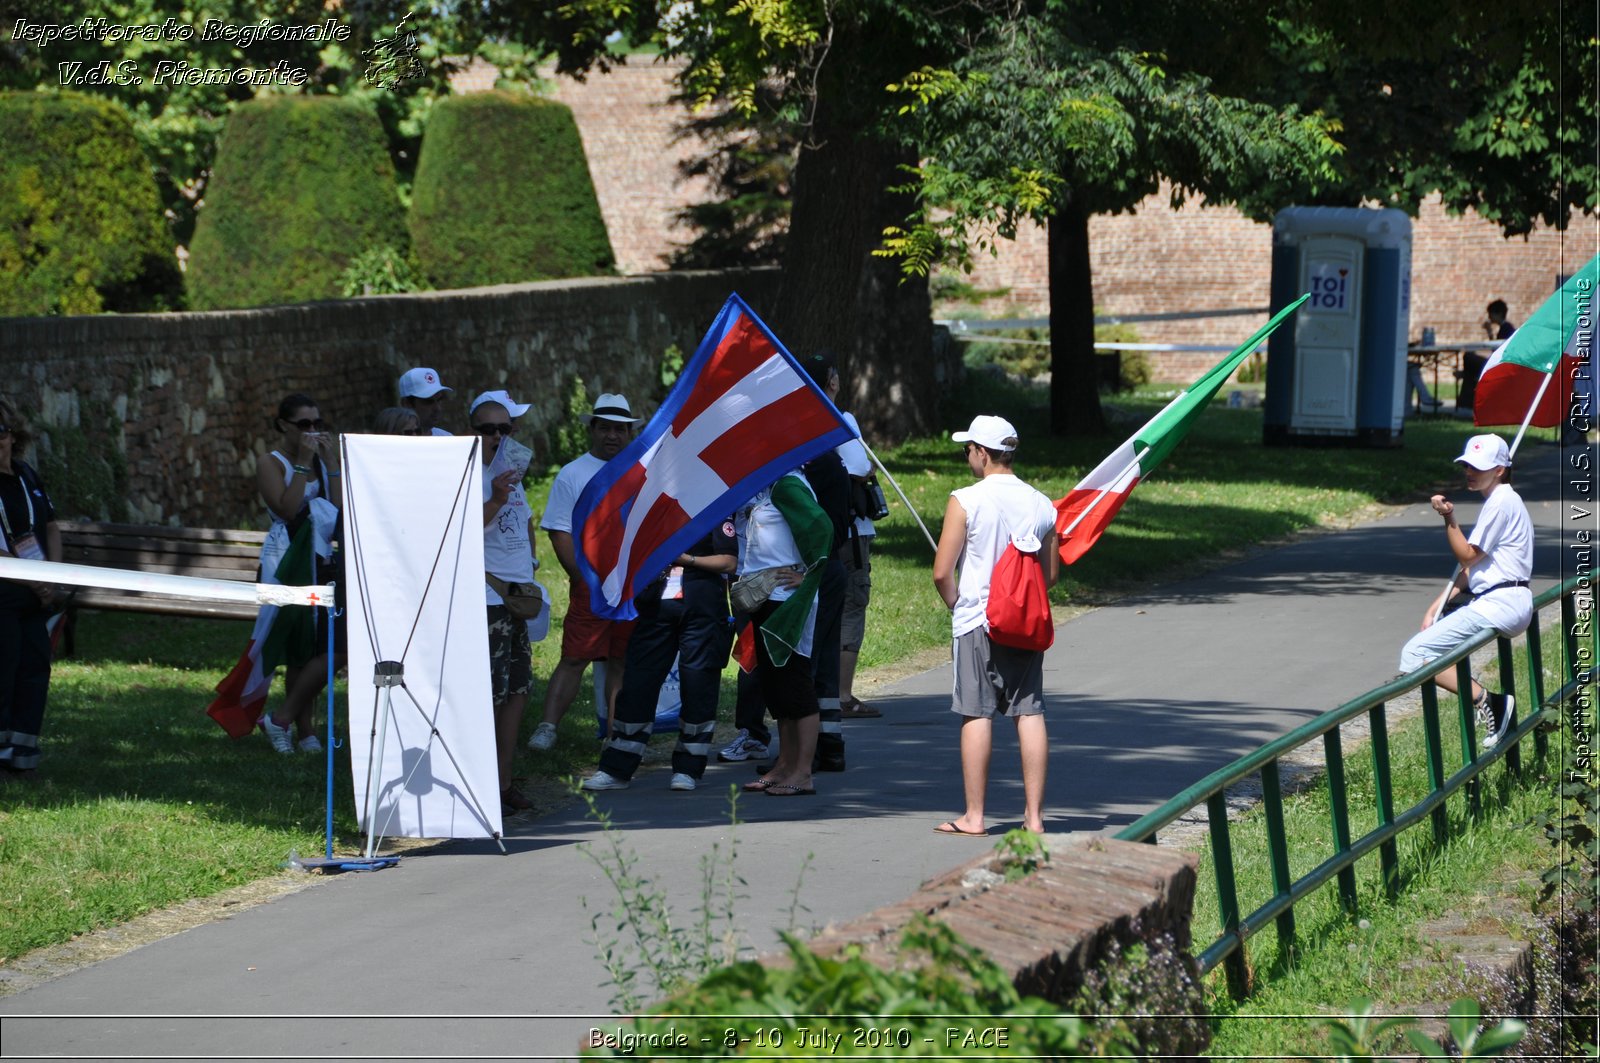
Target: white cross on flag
741,415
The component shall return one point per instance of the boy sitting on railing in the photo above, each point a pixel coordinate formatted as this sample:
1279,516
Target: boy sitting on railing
1495,562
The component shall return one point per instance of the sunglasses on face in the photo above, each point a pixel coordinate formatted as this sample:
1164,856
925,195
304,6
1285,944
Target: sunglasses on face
5,431
306,424
491,429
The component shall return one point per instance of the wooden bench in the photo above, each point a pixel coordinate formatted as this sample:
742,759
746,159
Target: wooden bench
210,553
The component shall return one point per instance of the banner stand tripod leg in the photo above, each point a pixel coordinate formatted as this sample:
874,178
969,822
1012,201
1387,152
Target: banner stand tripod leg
386,675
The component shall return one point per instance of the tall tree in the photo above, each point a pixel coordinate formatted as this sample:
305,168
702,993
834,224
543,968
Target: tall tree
821,67
1079,108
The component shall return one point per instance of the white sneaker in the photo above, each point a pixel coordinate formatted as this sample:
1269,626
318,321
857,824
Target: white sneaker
544,736
602,780
1494,716
278,736
741,748
309,744
680,781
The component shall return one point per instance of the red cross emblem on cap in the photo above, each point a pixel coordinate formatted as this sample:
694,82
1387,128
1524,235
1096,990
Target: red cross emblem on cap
1477,446
428,377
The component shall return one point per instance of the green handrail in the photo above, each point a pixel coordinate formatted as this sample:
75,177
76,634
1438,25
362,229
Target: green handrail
1229,947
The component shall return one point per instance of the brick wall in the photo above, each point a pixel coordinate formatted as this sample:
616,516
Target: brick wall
1213,258
1151,261
629,131
186,400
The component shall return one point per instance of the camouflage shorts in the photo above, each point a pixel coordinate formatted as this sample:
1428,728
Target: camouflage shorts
510,658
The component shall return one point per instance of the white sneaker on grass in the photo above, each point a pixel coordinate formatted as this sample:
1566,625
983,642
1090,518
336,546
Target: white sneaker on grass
683,781
309,744
278,736
544,736
604,780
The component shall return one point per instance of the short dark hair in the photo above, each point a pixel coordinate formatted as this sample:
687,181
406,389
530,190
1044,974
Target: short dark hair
12,418
1001,458
821,366
1498,307
293,402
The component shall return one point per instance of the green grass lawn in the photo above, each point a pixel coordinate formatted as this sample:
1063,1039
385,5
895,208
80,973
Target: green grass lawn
143,801
1381,951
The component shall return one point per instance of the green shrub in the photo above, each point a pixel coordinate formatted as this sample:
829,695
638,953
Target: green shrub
503,195
378,271
302,186
81,227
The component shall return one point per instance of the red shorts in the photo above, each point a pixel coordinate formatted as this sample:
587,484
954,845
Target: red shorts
586,637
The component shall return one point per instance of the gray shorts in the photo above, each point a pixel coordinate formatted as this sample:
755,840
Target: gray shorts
993,680
858,592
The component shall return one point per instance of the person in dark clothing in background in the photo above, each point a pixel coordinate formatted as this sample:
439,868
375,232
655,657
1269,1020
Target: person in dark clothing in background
684,615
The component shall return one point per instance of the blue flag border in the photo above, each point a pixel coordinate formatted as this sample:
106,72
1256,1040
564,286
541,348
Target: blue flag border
659,424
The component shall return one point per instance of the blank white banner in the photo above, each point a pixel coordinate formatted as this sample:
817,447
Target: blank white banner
413,521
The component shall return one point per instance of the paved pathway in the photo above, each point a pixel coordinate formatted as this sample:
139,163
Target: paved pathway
466,952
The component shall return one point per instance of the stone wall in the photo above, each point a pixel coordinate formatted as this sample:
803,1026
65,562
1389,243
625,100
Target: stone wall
178,406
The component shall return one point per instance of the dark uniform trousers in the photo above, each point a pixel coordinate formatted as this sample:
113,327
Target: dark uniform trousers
695,630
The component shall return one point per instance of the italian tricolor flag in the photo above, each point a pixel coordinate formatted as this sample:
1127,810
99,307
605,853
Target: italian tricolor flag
1089,507
1558,338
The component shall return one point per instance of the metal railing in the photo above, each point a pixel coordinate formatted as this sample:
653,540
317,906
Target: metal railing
1229,947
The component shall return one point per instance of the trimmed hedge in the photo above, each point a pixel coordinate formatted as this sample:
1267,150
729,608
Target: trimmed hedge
503,194
302,185
81,226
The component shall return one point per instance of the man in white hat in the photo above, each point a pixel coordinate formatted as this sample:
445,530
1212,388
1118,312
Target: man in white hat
423,392
992,680
508,558
1495,564
584,636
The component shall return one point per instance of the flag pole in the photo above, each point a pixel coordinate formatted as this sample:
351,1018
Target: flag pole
1544,385
1134,464
1527,419
895,484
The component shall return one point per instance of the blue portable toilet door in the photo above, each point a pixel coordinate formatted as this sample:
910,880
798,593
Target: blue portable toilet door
1327,337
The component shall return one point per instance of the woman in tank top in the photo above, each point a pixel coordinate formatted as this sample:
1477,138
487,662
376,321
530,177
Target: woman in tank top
304,467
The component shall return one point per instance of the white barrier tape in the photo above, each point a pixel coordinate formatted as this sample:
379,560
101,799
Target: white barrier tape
213,590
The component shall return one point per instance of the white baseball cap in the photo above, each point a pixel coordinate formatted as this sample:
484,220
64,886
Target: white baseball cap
1486,452
503,398
421,384
990,432
609,407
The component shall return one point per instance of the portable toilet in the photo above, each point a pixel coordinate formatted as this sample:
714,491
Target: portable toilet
1338,375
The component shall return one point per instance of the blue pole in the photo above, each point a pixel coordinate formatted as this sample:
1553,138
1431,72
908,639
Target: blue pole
329,800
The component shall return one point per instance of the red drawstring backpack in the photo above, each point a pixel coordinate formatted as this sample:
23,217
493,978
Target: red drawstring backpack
1019,603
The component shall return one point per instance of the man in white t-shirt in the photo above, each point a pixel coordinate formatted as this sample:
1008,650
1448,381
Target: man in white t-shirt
422,392
1495,564
508,557
992,680
584,636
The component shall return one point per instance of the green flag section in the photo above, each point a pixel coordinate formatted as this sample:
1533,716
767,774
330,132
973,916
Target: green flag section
1089,507
1558,338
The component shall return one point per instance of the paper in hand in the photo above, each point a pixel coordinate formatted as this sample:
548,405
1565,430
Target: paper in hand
510,455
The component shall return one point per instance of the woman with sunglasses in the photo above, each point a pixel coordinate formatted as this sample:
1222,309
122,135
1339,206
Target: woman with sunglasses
508,561
397,421
28,530
304,468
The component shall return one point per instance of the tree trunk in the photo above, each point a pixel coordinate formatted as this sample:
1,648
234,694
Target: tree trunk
1074,371
834,294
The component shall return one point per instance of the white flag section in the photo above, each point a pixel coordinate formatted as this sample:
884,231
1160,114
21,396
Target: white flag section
414,529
